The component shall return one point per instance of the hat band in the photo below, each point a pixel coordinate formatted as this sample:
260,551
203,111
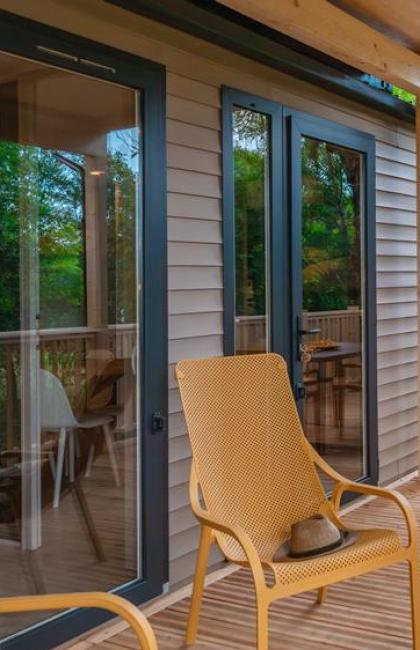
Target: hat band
317,551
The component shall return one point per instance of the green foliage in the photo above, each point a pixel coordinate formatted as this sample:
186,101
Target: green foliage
42,220
250,153
121,233
330,227
404,95
250,233
9,236
41,196
330,221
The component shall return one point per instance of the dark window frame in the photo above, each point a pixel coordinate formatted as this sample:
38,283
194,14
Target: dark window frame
38,42
298,124
287,127
276,221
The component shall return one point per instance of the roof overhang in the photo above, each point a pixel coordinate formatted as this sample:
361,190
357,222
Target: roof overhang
343,35
248,28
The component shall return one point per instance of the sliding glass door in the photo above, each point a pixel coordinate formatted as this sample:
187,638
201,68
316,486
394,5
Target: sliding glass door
72,336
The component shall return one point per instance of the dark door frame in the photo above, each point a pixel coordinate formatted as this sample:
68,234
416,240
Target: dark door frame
277,221
63,50
287,128
297,125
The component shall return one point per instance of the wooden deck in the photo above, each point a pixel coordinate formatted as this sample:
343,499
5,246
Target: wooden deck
367,613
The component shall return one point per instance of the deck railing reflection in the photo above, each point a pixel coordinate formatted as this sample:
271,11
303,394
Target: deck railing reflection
339,325
74,355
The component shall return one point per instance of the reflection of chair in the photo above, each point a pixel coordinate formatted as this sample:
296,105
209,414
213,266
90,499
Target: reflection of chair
57,415
349,381
312,392
110,602
96,360
257,475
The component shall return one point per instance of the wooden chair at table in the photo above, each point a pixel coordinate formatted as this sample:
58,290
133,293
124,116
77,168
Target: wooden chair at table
258,474
110,602
348,382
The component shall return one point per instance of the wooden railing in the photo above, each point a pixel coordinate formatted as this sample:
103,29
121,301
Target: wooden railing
339,325
72,354
343,325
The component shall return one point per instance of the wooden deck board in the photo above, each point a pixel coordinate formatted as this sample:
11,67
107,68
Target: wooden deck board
371,612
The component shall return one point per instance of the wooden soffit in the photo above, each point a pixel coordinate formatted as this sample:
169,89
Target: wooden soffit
380,37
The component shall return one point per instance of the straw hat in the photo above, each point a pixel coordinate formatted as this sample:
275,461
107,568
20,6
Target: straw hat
312,537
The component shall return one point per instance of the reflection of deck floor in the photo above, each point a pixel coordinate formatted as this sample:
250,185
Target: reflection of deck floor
343,448
66,560
371,612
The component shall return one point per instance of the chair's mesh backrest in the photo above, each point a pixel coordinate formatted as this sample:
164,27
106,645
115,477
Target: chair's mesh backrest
248,445
55,411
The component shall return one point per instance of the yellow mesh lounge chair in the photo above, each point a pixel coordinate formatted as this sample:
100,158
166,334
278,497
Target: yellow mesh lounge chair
257,475
115,604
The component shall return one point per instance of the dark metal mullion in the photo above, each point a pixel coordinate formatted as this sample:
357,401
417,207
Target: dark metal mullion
295,220
276,283
154,466
229,269
278,263
371,380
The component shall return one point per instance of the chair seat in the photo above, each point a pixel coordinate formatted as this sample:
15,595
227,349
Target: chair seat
371,544
92,421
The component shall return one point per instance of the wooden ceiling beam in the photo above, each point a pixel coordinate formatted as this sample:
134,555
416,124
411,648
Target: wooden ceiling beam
321,25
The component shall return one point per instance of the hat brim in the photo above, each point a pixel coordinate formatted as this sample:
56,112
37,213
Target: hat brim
349,537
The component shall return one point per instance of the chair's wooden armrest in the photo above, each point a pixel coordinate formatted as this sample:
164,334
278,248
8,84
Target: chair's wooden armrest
101,600
373,490
344,485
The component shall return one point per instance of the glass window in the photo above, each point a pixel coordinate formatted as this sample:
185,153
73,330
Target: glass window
333,287
251,155
70,197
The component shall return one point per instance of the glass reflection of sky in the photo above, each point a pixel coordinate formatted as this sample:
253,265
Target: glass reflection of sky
127,143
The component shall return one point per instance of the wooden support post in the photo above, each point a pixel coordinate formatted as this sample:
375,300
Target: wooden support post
95,189
418,256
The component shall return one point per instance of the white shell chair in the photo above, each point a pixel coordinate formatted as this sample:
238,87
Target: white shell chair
57,415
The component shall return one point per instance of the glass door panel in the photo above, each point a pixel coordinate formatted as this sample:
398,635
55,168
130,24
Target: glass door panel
70,230
251,177
331,326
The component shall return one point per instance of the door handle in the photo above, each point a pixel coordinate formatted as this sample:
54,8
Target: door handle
158,422
301,331
300,391
314,330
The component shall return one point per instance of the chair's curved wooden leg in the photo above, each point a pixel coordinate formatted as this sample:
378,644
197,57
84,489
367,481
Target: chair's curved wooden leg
262,623
322,595
200,574
415,601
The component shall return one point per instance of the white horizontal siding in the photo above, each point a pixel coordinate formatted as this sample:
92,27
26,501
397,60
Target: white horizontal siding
397,308
195,278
